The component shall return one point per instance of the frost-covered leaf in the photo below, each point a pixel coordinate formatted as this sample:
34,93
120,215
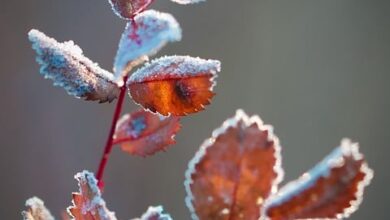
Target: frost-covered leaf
36,210
185,2
144,36
143,133
127,9
65,64
155,213
176,85
234,171
333,189
88,203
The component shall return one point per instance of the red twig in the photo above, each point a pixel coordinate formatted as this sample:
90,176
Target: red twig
109,142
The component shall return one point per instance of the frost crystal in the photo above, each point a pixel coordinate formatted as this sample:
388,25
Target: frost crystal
154,213
65,64
175,67
144,36
36,210
186,2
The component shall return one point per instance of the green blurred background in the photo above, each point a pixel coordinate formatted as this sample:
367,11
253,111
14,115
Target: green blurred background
316,70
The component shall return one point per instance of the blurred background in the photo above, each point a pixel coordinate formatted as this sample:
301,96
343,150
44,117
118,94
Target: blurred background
316,70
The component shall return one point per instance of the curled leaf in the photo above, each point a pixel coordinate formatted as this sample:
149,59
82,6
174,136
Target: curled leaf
234,171
65,64
176,85
88,203
36,210
186,2
333,189
155,213
127,9
144,36
143,133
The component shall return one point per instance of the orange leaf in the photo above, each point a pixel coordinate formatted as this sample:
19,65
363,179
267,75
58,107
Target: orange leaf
234,171
88,203
331,190
176,85
143,133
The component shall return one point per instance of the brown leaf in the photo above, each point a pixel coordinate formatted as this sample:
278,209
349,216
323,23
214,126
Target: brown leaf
143,133
176,85
333,189
234,171
36,210
88,203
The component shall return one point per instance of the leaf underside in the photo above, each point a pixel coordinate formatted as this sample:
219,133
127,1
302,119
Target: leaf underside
65,64
144,36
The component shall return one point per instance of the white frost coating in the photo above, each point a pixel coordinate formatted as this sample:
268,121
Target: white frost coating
36,210
65,64
155,213
240,116
186,2
335,159
150,31
171,67
92,192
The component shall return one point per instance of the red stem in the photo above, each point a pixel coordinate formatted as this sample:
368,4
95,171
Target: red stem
109,142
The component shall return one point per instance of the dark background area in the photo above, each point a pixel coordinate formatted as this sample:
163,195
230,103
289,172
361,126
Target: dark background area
316,70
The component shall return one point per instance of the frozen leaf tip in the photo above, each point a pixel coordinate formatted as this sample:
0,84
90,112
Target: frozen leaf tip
176,85
144,36
36,210
155,213
88,203
65,64
234,171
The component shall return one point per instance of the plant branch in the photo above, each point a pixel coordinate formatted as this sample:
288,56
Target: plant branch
109,143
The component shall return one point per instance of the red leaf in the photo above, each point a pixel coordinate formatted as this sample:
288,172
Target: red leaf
88,203
143,133
127,9
176,85
333,189
234,171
